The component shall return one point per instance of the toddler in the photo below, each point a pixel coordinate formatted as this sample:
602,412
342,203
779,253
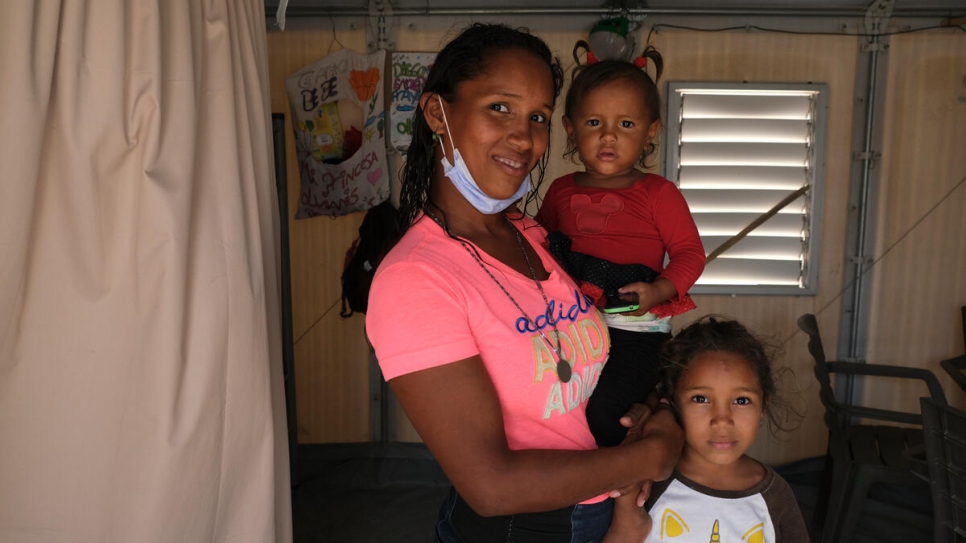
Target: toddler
612,225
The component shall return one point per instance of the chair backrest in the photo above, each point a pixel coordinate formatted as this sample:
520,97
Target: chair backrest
956,367
945,439
835,421
842,412
808,324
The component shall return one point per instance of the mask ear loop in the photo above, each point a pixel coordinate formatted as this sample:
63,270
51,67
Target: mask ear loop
448,133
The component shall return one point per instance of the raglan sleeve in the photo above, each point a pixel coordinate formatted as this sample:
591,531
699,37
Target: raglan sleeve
786,514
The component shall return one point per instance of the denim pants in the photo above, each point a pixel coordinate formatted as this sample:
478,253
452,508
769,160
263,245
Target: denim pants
577,524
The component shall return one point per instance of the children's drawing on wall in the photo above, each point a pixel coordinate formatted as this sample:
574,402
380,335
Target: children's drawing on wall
408,76
338,114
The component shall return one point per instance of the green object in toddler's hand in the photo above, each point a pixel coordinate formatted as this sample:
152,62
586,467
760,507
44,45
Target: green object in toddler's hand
621,303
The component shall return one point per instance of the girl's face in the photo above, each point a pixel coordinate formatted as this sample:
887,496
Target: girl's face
611,129
499,121
719,398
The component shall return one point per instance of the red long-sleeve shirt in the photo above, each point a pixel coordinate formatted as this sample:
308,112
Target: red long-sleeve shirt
634,225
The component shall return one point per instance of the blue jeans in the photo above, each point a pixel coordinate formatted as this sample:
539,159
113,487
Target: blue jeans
590,522
581,524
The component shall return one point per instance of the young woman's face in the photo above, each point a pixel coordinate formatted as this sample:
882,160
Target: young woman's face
719,398
499,121
610,129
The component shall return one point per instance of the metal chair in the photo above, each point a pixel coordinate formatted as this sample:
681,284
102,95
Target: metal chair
861,454
944,429
956,367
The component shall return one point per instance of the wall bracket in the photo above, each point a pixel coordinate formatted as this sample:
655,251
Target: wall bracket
876,21
380,33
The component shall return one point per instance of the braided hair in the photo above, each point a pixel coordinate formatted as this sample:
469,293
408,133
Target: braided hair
464,58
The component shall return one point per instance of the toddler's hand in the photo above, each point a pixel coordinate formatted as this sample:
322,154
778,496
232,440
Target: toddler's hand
649,294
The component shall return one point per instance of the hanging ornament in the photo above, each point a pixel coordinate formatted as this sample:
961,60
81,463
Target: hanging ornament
609,39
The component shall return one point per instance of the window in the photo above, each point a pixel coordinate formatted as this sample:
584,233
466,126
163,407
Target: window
738,151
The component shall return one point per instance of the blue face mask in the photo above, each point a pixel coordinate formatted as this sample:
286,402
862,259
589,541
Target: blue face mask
463,180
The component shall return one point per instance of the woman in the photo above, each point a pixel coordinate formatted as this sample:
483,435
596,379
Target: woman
487,344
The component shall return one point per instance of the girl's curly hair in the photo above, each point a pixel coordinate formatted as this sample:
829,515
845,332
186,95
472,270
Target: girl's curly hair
722,334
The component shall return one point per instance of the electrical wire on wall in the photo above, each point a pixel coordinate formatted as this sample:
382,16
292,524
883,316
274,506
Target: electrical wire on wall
748,28
885,253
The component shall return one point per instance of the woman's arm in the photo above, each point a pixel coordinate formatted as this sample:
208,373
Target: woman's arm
454,408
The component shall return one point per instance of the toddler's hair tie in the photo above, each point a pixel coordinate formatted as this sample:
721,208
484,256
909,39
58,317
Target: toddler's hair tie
641,62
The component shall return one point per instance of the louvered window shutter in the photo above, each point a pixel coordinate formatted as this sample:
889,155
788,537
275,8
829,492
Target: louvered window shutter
737,151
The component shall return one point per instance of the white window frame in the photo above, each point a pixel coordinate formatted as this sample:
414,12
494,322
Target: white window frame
808,206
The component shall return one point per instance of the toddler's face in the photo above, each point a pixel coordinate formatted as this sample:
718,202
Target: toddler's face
720,402
611,128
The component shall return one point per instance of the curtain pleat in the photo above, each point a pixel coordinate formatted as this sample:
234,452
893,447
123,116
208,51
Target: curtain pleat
141,393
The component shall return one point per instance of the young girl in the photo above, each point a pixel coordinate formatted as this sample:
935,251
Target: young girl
488,345
620,223
718,379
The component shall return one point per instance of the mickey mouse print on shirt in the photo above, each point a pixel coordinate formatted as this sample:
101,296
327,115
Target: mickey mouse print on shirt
592,217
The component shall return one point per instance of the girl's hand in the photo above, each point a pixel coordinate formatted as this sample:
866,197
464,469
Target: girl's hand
630,522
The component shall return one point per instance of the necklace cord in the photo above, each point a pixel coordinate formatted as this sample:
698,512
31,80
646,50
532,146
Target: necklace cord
564,370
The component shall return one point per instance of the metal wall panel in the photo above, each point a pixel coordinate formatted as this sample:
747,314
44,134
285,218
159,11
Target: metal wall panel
923,160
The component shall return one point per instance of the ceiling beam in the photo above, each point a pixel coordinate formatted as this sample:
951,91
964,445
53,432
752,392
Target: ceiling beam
338,11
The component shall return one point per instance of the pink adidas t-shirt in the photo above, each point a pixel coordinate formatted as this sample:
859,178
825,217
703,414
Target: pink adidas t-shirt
432,304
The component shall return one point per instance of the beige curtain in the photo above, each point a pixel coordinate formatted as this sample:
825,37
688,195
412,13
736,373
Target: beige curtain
140,374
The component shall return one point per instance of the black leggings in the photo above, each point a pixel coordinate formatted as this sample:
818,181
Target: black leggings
629,376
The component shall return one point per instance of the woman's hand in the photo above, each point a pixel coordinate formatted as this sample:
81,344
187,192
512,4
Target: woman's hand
635,418
664,427
654,423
